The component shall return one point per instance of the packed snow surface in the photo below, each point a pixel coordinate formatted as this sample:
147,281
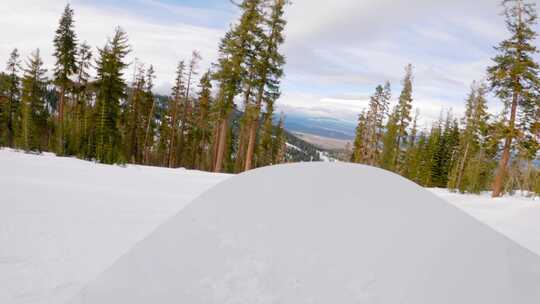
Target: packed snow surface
320,233
516,217
64,221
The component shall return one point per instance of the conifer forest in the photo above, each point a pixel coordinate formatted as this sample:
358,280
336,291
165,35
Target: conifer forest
95,105
113,119
477,152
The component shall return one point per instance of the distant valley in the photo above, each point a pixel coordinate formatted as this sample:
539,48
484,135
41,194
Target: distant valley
325,133
320,126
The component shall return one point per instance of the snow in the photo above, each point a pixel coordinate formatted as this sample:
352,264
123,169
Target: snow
293,147
64,221
325,157
517,217
310,233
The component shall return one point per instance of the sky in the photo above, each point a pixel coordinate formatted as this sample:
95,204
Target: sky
337,51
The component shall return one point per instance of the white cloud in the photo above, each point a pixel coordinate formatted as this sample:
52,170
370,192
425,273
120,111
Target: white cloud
362,43
337,51
161,45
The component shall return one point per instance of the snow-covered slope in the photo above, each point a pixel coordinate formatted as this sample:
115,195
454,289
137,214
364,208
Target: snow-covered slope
320,233
517,217
63,221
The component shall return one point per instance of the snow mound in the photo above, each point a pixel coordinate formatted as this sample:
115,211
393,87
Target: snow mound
320,233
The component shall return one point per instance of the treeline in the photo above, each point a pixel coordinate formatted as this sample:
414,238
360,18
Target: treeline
106,119
480,151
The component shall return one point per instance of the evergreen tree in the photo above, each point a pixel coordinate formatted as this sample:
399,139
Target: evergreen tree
280,142
410,168
80,130
149,115
65,44
472,142
514,78
269,69
265,153
390,141
378,110
359,146
33,132
404,108
186,127
111,90
10,108
133,115
164,134
234,49
444,149
175,109
202,136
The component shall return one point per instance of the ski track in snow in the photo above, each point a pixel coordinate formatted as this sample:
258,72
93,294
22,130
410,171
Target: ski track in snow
63,221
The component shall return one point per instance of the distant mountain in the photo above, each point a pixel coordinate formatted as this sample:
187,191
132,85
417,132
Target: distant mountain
321,126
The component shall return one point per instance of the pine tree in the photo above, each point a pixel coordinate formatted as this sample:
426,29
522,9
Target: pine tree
175,110
514,77
164,134
234,50
269,70
359,147
404,108
390,141
184,142
111,89
444,147
264,153
472,141
65,43
10,109
410,167
149,115
378,110
280,142
203,124
429,145
133,115
80,139
33,133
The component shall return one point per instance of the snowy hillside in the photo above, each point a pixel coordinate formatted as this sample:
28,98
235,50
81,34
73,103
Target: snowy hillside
313,235
64,221
516,217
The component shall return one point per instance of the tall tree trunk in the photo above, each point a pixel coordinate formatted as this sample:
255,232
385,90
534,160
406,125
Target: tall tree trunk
252,135
147,134
172,143
186,113
215,144
222,142
251,145
462,166
61,121
242,142
244,132
503,163
11,124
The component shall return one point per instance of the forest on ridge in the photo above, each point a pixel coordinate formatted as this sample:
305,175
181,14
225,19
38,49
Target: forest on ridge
479,151
108,119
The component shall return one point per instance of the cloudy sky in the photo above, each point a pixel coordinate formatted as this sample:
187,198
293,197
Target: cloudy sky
337,51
